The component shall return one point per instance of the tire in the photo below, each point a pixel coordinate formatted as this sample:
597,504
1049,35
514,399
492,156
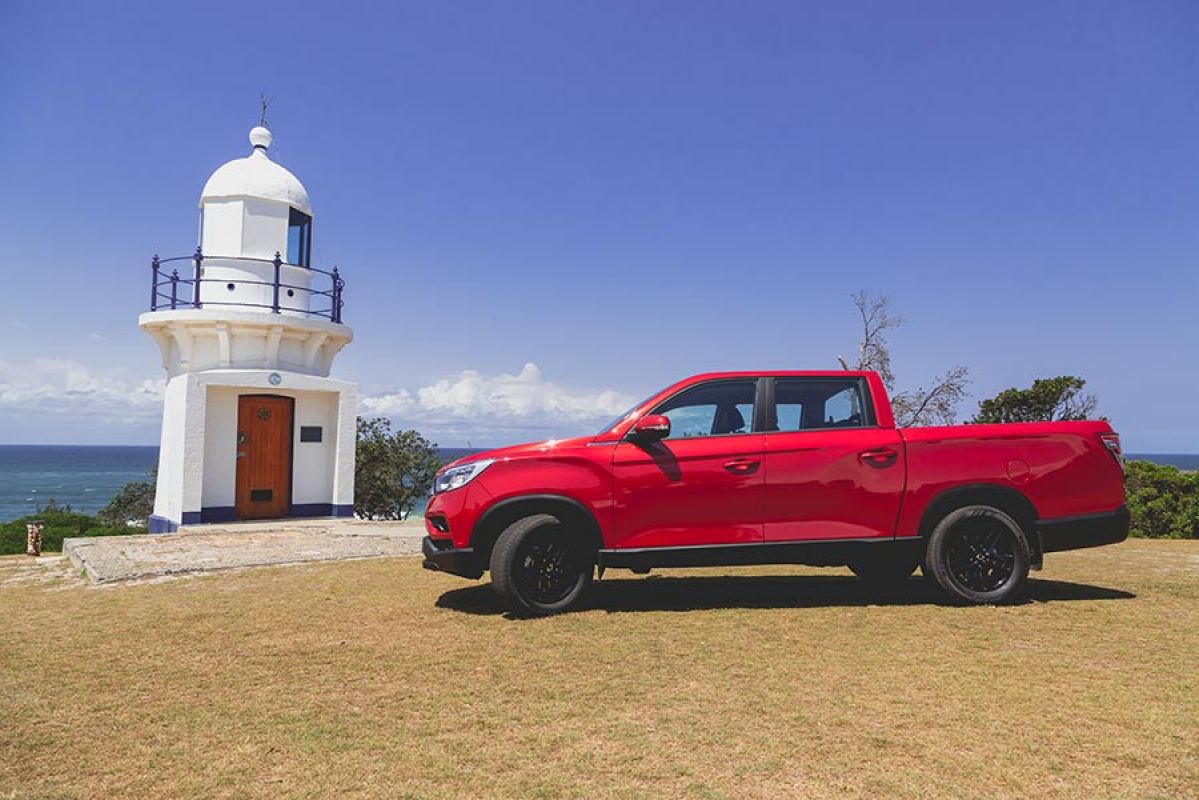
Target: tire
978,554
539,568
884,570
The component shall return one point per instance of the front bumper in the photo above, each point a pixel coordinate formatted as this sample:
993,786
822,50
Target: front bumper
1092,530
461,561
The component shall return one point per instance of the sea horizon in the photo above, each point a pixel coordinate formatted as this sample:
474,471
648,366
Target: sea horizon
86,477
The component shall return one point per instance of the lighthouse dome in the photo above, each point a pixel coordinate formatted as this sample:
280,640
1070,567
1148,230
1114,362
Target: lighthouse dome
257,176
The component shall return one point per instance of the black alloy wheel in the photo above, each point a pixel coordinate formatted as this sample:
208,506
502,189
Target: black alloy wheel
540,567
546,569
981,553
978,554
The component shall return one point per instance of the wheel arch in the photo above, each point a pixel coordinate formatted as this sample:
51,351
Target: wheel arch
1007,499
569,511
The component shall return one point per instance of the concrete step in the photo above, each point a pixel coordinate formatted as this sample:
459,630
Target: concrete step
206,548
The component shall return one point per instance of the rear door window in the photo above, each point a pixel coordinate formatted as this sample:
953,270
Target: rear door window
818,403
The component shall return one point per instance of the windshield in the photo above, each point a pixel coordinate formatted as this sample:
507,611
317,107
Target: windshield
622,417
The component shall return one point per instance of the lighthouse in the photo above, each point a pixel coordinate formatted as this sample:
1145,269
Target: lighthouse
248,326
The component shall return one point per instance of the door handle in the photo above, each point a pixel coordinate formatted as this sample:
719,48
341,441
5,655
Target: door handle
741,466
882,457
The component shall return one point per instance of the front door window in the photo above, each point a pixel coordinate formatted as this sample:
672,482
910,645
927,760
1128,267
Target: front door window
720,408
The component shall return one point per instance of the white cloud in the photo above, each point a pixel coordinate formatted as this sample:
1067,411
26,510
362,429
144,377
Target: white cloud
498,407
47,393
44,386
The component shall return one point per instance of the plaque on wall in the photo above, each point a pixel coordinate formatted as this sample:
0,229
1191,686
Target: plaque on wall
310,433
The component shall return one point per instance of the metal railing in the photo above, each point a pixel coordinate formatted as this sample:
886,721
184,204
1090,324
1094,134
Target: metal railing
174,291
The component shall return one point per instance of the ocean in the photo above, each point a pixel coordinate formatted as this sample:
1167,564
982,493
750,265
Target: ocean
86,477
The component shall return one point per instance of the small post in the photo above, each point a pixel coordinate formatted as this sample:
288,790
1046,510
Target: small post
275,302
174,289
337,284
154,283
198,258
33,537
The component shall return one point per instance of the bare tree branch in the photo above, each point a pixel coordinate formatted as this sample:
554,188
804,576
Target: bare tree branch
934,406
873,353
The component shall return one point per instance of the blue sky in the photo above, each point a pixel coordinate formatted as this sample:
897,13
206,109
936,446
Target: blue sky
620,194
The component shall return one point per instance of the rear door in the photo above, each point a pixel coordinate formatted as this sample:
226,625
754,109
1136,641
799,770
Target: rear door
829,471
703,484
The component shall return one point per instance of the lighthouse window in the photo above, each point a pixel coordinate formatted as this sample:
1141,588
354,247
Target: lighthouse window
299,238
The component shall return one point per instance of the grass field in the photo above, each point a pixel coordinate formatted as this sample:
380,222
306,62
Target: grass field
375,678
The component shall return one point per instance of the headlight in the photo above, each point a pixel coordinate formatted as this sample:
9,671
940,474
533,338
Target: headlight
460,476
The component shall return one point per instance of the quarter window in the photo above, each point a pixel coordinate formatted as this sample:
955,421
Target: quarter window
719,408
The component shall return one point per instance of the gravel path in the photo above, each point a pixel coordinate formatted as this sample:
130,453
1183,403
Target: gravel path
205,548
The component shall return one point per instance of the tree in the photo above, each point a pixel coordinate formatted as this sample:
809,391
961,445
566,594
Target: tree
392,470
933,405
132,505
1057,398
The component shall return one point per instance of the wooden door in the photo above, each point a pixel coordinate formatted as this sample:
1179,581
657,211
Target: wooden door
264,430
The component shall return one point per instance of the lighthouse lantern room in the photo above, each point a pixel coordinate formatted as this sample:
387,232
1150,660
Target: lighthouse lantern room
253,427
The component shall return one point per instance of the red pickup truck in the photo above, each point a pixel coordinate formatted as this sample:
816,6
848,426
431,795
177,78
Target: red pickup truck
782,467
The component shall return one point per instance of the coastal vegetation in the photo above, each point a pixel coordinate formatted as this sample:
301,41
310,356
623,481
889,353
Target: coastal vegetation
61,522
131,506
1164,500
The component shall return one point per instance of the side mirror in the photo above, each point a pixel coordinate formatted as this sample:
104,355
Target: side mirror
651,428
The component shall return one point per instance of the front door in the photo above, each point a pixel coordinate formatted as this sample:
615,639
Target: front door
829,471
702,485
264,429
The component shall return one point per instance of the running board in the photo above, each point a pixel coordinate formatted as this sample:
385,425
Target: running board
821,553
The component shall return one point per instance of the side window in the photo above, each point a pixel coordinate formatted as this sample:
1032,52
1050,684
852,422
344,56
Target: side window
719,408
788,416
844,409
811,403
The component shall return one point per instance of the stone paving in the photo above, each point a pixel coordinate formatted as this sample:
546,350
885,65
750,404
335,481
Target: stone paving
205,548
51,572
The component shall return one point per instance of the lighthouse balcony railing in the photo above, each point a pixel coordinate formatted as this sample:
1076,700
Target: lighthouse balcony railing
171,290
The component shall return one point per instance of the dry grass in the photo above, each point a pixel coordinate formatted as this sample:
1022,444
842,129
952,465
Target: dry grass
374,678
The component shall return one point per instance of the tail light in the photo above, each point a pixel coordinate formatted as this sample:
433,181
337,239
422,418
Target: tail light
1112,442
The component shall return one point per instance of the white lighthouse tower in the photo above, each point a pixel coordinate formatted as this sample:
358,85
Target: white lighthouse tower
253,427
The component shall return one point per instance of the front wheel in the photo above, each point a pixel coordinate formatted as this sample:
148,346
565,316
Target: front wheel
539,568
978,554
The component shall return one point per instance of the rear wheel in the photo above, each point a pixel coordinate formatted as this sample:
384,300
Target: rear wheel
538,567
978,554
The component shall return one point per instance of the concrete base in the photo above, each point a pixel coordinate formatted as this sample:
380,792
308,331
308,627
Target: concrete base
205,548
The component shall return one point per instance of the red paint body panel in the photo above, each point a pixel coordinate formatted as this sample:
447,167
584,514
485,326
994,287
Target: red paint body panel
777,486
1061,467
705,490
818,485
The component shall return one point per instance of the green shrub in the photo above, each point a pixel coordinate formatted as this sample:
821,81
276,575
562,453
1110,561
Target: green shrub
392,470
60,524
133,503
1164,501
